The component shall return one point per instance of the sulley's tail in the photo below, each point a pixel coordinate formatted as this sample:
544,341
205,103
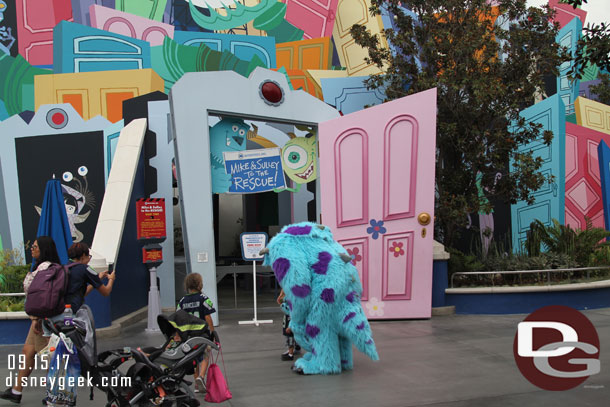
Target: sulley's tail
356,327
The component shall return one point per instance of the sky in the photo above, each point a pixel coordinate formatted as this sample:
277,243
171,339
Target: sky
597,10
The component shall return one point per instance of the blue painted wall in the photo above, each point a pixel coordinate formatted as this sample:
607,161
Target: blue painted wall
349,95
14,331
243,46
440,282
603,154
78,48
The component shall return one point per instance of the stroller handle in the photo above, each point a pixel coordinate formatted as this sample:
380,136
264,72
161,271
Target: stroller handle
53,327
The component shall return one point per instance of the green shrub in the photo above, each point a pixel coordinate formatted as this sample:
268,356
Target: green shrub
560,239
11,304
12,278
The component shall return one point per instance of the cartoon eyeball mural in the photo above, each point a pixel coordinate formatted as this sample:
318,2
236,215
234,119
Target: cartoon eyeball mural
299,159
67,176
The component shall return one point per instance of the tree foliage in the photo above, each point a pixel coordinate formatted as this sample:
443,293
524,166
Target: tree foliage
602,89
486,70
593,47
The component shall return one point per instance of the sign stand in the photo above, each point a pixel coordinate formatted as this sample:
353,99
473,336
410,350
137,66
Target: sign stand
251,245
150,218
154,302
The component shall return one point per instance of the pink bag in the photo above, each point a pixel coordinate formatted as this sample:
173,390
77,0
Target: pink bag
217,388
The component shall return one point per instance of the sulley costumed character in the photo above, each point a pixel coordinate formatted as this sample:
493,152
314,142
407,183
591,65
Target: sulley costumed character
323,292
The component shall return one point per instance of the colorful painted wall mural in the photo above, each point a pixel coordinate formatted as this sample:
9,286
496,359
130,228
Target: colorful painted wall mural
91,58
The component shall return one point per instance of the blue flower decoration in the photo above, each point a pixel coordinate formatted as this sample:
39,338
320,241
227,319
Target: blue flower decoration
376,228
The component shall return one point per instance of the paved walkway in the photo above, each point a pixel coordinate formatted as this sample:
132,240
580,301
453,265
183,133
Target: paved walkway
448,361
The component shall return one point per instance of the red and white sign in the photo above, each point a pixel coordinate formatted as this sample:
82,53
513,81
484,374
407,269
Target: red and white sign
150,218
152,255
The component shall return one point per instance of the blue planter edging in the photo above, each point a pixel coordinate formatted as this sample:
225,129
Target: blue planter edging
527,301
14,331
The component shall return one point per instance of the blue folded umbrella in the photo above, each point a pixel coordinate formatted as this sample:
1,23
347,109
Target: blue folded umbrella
54,219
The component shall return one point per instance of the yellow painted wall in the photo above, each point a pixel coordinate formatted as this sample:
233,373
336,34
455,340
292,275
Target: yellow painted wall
592,114
96,93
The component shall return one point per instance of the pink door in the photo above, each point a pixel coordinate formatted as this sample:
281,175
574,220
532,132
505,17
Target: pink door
377,195
583,182
35,22
315,17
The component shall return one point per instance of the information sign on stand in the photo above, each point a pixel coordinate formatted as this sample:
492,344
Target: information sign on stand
251,245
150,218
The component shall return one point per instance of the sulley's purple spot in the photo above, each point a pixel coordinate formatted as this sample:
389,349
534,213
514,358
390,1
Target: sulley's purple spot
321,267
289,304
370,341
360,326
312,330
328,295
301,291
280,268
349,316
350,296
298,230
313,351
343,361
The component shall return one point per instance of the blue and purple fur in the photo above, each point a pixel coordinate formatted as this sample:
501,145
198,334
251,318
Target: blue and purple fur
323,292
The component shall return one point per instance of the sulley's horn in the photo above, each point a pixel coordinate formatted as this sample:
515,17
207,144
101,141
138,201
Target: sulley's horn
264,251
345,257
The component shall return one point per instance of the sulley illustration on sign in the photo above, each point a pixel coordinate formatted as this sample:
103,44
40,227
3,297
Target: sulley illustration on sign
229,134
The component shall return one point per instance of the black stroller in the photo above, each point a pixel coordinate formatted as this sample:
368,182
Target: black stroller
155,376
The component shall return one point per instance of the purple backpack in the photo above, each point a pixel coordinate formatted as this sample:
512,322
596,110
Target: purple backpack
45,297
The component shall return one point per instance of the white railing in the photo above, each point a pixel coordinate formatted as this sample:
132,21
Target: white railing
547,271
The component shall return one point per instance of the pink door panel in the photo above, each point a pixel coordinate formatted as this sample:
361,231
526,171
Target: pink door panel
583,183
35,22
377,180
315,17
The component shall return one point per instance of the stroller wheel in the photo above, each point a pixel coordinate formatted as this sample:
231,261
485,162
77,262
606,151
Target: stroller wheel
190,403
113,403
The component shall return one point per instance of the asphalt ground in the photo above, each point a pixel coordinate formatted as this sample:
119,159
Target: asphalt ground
455,360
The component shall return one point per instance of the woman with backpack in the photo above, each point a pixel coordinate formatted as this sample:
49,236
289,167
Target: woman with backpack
81,281
44,253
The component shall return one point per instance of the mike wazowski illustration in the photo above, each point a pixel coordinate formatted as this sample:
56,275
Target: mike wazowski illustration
299,160
229,134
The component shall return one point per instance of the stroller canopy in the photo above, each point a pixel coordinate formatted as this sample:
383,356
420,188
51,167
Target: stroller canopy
186,324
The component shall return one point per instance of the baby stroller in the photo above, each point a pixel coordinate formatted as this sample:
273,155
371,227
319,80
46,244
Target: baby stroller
156,378
195,337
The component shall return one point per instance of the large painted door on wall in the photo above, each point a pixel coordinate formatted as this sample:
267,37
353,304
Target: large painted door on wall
35,22
568,37
549,200
583,182
351,55
592,115
315,17
377,189
603,153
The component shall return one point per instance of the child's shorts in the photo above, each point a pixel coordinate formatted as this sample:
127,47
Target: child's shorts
285,325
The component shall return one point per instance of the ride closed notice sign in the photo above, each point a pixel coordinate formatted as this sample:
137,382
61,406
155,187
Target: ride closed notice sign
252,244
150,217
